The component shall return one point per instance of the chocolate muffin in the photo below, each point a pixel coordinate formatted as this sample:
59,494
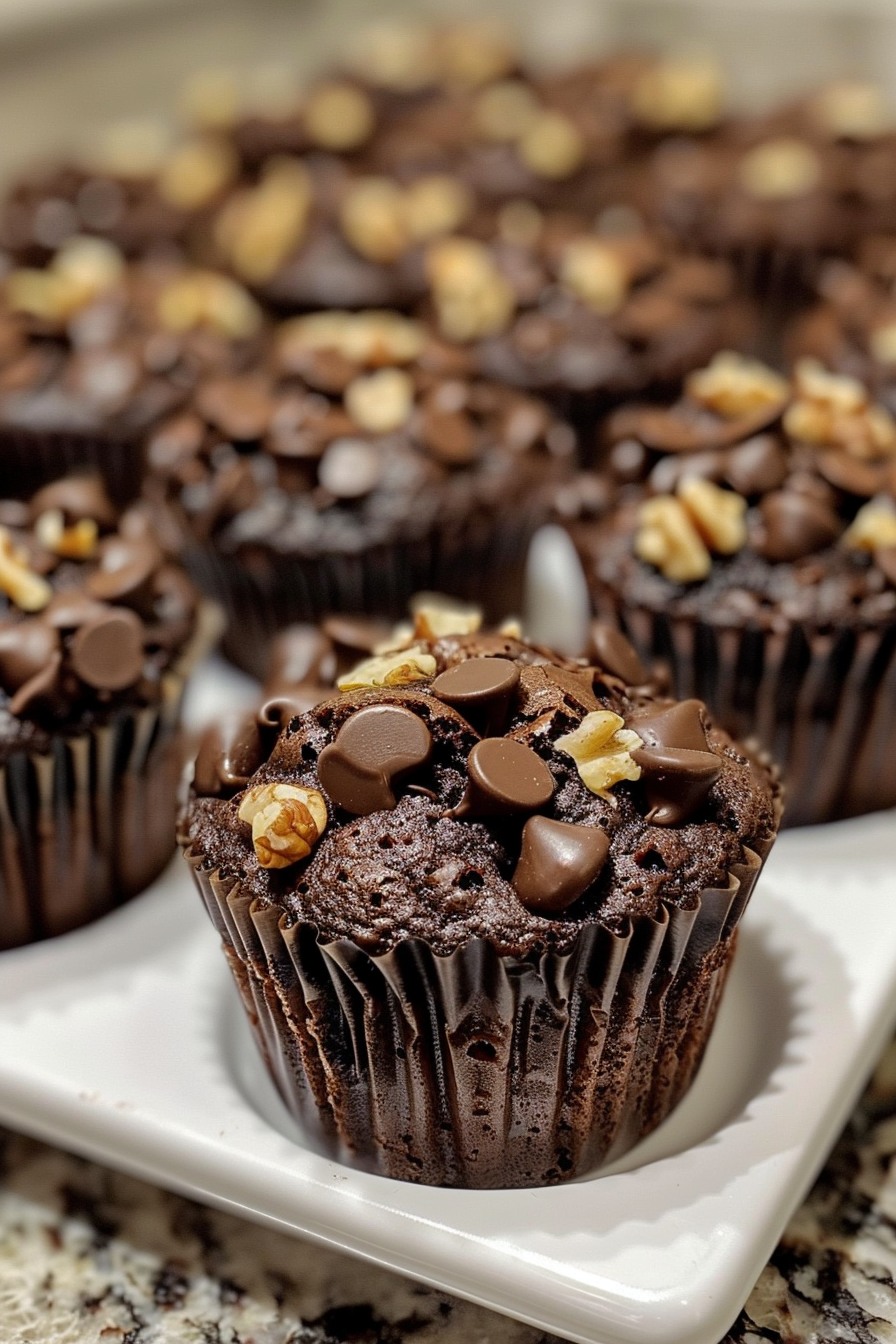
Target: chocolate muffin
93,352
748,538
481,900
364,460
98,628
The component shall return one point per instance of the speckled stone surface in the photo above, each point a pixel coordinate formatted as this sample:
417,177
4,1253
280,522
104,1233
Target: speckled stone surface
91,1257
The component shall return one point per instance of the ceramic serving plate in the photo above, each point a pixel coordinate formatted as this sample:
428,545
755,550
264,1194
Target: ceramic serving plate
125,1041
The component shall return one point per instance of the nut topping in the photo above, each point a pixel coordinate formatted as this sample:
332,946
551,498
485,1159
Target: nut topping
76,542
373,219
779,170
472,297
836,411
601,747
380,402
436,616
718,515
82,270
21,585
370,338
668,540
287,822
339,116
679,95
260,226
734,386
594,271
874,526
197,172
401,668
207,299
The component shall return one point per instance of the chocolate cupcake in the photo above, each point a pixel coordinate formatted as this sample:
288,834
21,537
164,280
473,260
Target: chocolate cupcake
481,901
362,462
748,539
93,352
98,628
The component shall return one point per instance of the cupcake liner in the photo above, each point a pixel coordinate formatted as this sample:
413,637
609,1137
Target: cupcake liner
89,822
821,703
475,1069
30,459
477,559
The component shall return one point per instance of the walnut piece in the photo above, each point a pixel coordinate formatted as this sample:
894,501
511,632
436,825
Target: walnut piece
504,111
472,298
259,227
197,172
836,411
720,516
435,204
734,386
389,669
287,821
882,343
552,147
380,402
82,270
77,542
207,299
874,526
370,339
436,615
339,116
779,170
594,271
667,539
27,590
601,747
679,95
373,219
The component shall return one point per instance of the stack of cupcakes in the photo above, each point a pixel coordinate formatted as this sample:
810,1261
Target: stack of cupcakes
349,343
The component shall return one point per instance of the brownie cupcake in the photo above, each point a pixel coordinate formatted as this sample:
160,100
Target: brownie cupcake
93,352
748,539
98,628
481,901
582,315
362,461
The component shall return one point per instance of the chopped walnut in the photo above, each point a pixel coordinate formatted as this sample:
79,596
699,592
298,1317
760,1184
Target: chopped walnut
27,590
434,205
668,539
82,270
261,226
720,516
679,95
852,110
436,615
595,271
512,628
370,338
374,220
601,747
882,343
380,402
389,669
339,116
197,172
472,297
734,386
874,526
77,542
836,411
552,146
287,821
207,299
779,170
505,111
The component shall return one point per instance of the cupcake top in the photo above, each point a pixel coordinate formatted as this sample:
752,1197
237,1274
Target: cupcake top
754,499
551,305
358,428
93,612
466,784
89,343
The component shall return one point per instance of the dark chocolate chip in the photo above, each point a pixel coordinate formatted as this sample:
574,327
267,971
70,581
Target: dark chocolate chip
125,571
482,690
76,497
241,408
230,752
850,474
107,652
72,608
449,435
611,650
357,635
283,703
25,649
558,862
350,468
670,471
505,777
757,466
575,684
676,781
679,725
41,687
794,525
373,752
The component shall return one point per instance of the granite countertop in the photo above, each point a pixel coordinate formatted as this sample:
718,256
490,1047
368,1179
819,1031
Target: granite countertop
88,1256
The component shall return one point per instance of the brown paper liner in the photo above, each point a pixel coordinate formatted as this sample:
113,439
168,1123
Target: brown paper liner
822,704
89,823
480,559
476,1069
30,459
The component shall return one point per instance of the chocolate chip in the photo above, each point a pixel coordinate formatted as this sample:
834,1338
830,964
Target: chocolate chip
300,653
665,477
611,650
757,466
175,443
356,635
72,608
25,649
75,497
482,690
107,652
676,781
504,777
374,751
230,752
794,525
677,725
283,703
125,571
240,407
449,435
350,468
40,687
576,684
850,474
558,862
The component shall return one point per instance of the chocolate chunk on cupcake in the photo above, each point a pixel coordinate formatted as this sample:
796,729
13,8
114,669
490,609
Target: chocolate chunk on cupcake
98,628
747,541
478,861
363,461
